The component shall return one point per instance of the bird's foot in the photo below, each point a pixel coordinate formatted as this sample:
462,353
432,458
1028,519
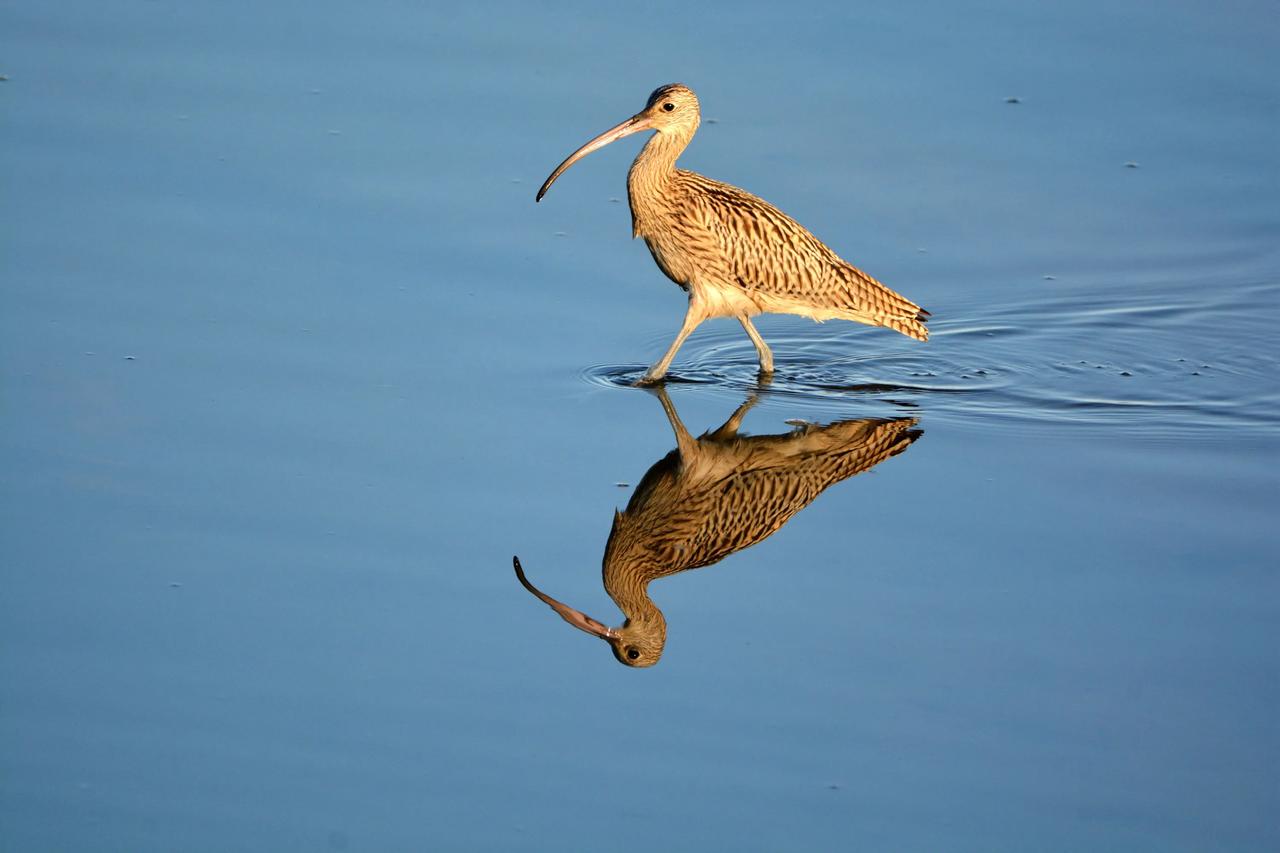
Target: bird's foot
649,380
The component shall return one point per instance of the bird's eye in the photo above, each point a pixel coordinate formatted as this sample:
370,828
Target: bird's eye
668,106
632,654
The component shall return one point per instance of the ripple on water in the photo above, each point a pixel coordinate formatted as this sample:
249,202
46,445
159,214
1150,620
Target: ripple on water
1187,363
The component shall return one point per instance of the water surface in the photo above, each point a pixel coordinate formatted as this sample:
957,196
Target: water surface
292,366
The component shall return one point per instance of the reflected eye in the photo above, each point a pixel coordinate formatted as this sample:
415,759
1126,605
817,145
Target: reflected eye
632,654
668,106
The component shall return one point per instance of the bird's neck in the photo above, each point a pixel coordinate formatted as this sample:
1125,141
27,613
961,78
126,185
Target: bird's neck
628,570
627,582
649,181
630,592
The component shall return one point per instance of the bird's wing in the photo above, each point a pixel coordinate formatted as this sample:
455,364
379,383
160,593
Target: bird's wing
765,249
768,252
739,492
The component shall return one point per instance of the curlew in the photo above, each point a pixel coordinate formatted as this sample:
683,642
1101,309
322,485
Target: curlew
711,497
735,254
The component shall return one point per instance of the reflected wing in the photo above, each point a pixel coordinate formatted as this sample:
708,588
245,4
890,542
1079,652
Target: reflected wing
735,493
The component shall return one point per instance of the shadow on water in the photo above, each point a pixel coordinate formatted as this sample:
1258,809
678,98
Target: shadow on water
715,495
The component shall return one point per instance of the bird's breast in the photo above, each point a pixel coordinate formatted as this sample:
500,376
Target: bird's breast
683,247
691,260
671,259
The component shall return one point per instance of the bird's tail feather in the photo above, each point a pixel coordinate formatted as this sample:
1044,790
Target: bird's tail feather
874,303
912,327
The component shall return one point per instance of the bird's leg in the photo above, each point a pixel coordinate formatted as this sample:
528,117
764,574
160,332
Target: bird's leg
686,443
766,356
692,318
729,429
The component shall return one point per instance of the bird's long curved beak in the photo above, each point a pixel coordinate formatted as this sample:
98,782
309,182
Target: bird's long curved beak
635,124
576,618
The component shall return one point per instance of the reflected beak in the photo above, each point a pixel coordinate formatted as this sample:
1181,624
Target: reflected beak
635,124
576,618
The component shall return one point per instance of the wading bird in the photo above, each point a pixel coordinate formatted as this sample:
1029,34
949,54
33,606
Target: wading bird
711,497
735,254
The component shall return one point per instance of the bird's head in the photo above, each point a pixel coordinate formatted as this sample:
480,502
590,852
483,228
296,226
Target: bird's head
671,109
637,642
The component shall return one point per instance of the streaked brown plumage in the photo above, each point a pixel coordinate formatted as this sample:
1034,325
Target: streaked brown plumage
735,254
711,497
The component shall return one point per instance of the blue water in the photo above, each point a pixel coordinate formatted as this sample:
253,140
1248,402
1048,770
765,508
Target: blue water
291,365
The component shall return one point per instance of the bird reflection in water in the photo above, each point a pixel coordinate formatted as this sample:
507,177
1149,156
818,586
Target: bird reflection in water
712,496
